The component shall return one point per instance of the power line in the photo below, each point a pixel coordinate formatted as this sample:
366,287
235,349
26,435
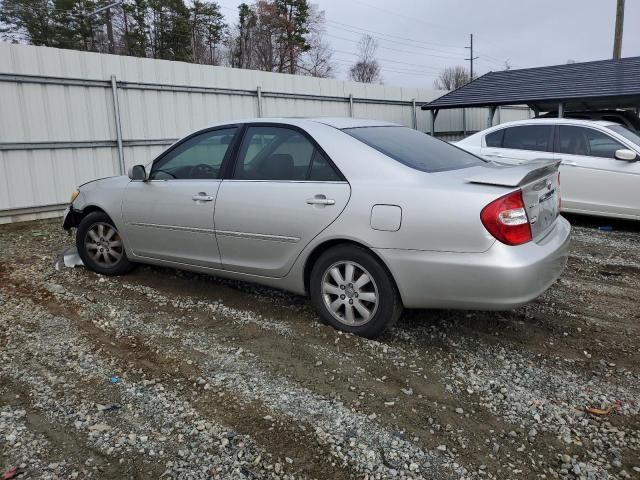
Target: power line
411,64
390,48
391,36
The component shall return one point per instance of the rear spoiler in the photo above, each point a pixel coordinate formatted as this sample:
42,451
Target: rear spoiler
517,175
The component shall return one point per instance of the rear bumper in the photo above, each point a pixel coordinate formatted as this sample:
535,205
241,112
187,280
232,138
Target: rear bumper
502,278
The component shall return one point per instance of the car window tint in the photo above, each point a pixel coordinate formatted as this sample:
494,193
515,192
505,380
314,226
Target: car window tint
586,141
279,153
528,137
322,171
415,149
200,157
494,139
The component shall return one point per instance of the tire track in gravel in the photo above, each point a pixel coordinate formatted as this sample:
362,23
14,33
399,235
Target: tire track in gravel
39,447
583,274
510,450
359,441
537,395
251,419
67,381
422,414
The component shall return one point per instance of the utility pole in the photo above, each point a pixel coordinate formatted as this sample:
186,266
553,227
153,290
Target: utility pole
471,57
617,39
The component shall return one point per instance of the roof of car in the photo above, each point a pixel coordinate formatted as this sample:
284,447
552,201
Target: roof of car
349,122
564,121
336,122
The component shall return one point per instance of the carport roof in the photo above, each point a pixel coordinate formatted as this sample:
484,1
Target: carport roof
579,86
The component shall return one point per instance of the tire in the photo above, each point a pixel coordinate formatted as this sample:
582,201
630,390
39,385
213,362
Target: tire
113,259
340,301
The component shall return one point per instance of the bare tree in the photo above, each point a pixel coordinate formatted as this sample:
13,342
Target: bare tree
317,60
451,78
367,68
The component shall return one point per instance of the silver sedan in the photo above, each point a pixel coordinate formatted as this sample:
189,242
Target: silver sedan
365,217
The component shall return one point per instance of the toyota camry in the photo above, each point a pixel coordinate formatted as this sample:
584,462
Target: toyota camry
365,217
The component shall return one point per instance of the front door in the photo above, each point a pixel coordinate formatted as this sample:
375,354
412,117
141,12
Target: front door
283,192
170,216
592,179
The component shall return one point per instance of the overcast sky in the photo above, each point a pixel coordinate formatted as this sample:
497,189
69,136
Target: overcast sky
417,38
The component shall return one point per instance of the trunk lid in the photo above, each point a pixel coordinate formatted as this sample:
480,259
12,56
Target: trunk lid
539,182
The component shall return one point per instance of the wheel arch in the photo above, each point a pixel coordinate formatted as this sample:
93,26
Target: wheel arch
76,217
328,244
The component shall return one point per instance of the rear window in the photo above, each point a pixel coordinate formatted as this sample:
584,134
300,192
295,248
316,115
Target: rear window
415,149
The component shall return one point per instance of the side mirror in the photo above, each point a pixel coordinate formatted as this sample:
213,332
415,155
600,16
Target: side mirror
137,172
625,154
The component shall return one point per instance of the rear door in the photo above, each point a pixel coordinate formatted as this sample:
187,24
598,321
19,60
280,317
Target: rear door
519,144
593,180
283,192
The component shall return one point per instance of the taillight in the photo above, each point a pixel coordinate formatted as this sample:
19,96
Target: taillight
506,219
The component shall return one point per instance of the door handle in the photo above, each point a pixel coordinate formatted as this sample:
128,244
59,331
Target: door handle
202,197
320,200
569,163
494,154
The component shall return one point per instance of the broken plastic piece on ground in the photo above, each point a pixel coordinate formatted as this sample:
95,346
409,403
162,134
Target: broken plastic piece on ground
10,473
39,234
109,408
605,228
114,380
597,411
68,258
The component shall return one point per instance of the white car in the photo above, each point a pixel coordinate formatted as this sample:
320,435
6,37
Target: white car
600,169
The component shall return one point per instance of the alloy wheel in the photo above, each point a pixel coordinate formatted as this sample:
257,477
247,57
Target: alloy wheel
103,244
350,293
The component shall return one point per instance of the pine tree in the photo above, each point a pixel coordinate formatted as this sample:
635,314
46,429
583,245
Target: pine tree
30,21
207,26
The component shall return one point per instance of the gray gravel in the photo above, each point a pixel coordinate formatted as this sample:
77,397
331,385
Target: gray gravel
169,374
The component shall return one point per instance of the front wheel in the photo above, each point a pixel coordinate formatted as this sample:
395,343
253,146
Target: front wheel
353,291
100,245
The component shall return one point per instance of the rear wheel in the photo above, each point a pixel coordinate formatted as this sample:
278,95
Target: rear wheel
100,245
354,292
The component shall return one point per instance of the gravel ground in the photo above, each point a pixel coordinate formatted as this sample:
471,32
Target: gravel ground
168,374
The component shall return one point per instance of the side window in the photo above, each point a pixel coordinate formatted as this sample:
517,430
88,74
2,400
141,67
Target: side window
494,139
322,171
528,137
280,153
586,141
199,158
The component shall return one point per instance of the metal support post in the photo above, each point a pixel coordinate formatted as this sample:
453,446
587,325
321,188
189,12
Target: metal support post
414,117
492,112
434,115
116,114
464,122
259,94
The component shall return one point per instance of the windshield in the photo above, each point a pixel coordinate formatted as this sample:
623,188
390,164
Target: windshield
415,149
626,133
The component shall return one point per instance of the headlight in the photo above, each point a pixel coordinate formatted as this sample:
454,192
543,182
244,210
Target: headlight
74,195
